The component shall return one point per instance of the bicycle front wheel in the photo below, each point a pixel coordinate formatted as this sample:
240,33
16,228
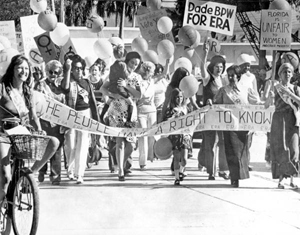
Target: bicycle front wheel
25,208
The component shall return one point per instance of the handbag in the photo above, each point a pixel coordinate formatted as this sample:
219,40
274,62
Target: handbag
95,154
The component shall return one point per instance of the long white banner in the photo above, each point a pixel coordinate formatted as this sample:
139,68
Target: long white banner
216,117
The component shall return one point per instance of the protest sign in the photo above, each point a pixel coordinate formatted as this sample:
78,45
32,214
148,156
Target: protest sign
20,46
212,16
7,29
30,29
148,27
67,50
49,51
217,117
276,29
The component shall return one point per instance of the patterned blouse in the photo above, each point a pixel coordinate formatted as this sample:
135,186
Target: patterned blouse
117,111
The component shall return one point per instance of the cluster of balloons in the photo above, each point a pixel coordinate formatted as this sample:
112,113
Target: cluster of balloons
165,48
6,53
47,20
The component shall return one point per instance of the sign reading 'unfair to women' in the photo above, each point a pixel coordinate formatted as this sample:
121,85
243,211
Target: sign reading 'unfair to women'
276,28
216,117
210,16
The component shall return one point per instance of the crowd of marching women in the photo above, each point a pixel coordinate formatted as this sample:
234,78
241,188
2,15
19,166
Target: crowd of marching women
134,93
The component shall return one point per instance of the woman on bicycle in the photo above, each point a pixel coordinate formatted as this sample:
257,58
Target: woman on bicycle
17,100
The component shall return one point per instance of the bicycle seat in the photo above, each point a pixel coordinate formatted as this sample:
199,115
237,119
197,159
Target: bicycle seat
11,120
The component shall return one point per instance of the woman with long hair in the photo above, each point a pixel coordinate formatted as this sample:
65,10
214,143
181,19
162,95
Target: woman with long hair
18,100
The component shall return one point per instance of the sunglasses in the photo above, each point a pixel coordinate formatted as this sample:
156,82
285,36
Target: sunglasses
53,73
78,68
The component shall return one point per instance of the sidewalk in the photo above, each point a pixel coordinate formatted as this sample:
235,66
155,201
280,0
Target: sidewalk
148,202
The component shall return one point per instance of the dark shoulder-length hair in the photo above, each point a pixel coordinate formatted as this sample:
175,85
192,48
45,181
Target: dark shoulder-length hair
9,74
215,60
174,94
178,75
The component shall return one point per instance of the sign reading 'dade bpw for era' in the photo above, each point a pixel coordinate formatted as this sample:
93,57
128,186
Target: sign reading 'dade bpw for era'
211,16
276,29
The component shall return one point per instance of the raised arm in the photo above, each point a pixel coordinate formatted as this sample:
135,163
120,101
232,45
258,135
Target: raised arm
204,73
65,83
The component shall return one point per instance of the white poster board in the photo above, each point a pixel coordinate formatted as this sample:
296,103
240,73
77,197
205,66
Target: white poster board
30,29
148,27
276,29
211,16
8,30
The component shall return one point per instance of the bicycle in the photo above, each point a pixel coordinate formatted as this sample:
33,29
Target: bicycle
20,207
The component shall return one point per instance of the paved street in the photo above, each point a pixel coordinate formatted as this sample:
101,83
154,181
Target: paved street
148,202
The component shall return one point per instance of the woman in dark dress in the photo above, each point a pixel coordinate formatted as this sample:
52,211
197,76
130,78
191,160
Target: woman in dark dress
236,142
284,135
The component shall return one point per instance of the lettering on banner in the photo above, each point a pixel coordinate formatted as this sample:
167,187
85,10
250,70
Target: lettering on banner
221,117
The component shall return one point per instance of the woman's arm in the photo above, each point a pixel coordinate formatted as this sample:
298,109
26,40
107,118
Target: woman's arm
105,92
204,73
289,93
193,102
65,83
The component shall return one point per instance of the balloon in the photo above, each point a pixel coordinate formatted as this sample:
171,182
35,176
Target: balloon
47,20
35,56
95,23
165,49
154,4
163,61
5,42
115,41
164,25
197,43
151,56
279,5
163,148
214,45
291,58
90,60
187,35
5,58
103,48
38,5
60,35
140,45
189,86
183,62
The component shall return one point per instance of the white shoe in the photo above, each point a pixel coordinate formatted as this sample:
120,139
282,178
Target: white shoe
79,180
71,176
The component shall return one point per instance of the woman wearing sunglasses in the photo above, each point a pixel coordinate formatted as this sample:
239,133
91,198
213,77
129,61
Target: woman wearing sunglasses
51,87
79,96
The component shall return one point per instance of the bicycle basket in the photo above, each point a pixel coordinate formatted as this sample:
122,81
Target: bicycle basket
29,146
